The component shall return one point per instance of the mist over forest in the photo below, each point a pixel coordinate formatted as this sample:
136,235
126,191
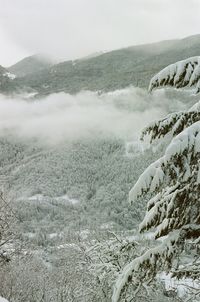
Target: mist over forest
99,151
64,117
68,163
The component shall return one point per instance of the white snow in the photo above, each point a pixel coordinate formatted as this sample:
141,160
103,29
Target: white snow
66,198
152,173
195,107
198,175
30,234
9,75
84,234
153,176
182,286
180,74
53,235
29,95
135,265
41,198
187,139
3,300
37,197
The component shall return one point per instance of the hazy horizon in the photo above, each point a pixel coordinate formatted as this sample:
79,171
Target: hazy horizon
67,30
94,53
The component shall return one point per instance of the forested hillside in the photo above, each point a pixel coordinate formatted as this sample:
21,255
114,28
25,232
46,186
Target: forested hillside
68,162
29,65
106,72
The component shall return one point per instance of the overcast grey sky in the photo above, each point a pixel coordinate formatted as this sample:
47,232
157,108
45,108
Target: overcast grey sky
69,29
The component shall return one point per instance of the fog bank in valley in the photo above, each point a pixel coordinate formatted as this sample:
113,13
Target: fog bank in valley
63,117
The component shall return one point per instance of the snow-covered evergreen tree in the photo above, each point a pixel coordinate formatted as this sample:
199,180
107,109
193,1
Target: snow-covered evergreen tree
109,256
173,182
184,73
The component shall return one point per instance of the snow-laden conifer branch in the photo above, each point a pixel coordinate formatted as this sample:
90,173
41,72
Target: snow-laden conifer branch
172,124
143,268
175,163
190,270
175,178
173,182
180,74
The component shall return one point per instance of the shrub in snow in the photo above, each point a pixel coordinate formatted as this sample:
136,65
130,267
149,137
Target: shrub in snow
173,182
108,257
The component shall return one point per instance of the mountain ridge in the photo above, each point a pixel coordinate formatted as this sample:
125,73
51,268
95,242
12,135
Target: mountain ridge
30,64
117,69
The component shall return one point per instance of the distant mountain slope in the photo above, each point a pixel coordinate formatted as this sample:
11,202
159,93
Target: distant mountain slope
2,70
5,78
29,65
109,71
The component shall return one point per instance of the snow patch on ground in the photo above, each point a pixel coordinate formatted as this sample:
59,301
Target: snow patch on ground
42,198
3,300
37,197
29,95
53,235
67,246
182,286
9,75
66,198
84,234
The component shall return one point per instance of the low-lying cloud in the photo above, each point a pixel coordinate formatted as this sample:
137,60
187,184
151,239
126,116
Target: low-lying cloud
62,117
